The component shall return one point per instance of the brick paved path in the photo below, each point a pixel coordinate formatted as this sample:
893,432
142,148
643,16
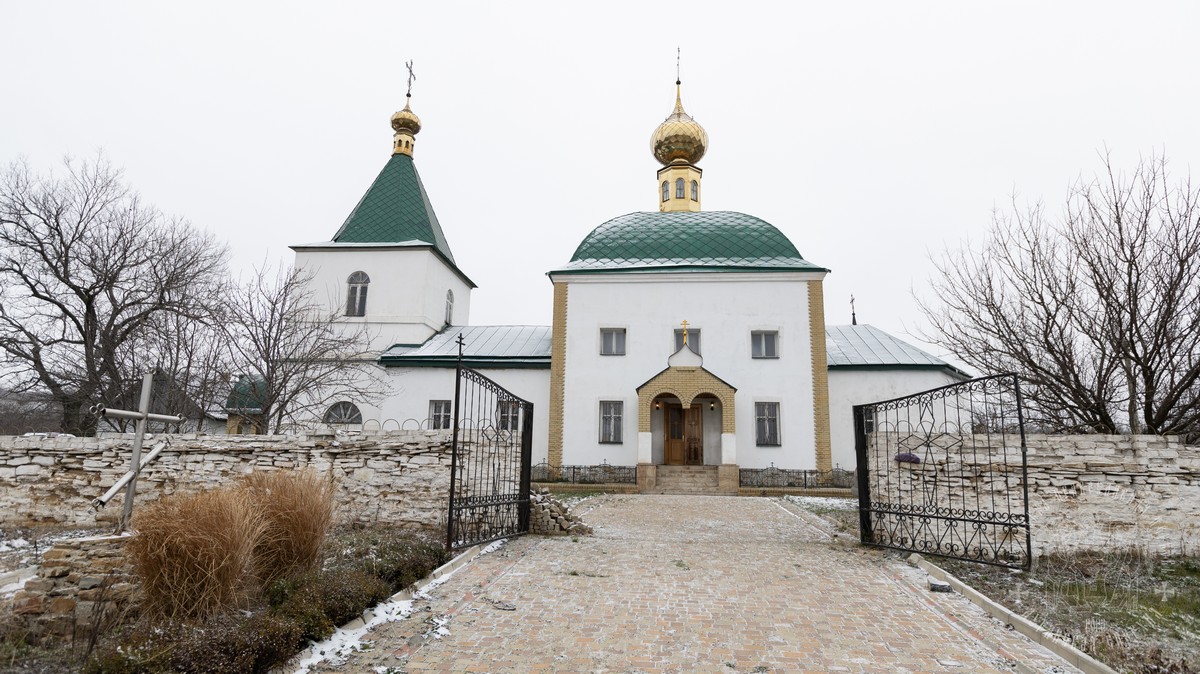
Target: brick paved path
696,584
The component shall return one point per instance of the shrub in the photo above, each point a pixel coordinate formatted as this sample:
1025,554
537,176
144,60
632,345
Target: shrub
320,601
233,645
194,553
297,508
399,559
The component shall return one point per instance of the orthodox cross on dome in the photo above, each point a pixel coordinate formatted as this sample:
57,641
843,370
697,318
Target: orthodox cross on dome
411,77
678,79
684,324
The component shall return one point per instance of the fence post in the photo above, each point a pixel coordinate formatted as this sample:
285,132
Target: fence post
454,447
866,533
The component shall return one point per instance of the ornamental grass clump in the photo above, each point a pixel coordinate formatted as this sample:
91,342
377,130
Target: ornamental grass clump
195,553
297,510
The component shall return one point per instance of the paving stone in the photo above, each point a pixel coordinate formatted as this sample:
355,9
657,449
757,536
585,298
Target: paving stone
696,584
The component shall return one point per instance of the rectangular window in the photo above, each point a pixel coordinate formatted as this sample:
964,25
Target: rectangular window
766,424
439,414
611,414
508,415
693,340
612,341
764,344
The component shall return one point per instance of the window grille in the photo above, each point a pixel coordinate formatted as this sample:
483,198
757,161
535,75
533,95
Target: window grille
766,424
611,414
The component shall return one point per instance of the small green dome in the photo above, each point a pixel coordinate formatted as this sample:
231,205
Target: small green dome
702,241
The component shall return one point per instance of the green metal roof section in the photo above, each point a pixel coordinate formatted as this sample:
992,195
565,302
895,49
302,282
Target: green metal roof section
247,394
395,209
697,241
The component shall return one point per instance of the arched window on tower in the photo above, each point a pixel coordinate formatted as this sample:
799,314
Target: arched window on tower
449,307
679,188
695,191
356,294
666,190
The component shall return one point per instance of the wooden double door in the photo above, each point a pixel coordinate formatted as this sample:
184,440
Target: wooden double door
684,429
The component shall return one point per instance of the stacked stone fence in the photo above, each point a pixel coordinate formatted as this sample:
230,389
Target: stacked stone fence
397,477
1086,492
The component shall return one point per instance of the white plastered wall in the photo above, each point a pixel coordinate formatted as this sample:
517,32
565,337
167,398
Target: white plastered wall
850,387
406,299
725,307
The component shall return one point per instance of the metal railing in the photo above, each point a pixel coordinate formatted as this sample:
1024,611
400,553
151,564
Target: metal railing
598,474
774,478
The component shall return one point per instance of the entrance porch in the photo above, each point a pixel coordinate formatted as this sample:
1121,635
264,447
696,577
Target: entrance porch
686,440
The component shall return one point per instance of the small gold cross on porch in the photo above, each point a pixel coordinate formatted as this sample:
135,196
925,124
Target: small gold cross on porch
684,324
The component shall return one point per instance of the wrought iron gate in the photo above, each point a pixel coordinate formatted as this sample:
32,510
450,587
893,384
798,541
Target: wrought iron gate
944,473
490,464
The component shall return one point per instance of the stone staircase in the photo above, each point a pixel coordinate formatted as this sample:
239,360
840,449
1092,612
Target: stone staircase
685,480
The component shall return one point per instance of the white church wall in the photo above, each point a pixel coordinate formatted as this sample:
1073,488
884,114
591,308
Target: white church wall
848,388
725,307
412,389
406,298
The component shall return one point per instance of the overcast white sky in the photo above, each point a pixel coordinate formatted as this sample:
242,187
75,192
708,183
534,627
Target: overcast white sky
872,134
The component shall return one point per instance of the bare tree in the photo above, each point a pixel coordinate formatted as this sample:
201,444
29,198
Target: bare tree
85,267
301,357
1097,309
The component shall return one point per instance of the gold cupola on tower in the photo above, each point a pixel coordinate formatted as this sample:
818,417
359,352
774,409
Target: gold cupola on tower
678,144
406,125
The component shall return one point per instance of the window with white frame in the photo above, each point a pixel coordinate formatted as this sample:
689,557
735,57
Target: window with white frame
611,414
766,424
508,415
693,339
679,188
439,414
356,294
449,307
612,341
764,344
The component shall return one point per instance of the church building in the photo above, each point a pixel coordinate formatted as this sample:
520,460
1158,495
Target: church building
683,340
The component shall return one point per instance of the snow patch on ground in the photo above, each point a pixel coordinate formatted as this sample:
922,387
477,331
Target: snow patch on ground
13,544
345,642
825,502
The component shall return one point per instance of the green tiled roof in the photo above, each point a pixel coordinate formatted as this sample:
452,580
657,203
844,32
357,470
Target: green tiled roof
395,209
247,394
702,241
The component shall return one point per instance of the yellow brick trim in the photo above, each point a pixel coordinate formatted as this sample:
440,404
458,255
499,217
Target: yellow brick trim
686,383
558,375
820,374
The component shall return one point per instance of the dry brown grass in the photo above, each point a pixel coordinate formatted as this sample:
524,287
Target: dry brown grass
297,509
195,553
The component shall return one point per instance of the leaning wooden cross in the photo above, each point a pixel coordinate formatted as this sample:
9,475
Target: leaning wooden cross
129,480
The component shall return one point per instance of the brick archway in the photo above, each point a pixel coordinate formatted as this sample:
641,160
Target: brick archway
686,383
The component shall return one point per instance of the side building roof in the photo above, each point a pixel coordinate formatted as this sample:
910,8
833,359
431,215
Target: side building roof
484,346
866,347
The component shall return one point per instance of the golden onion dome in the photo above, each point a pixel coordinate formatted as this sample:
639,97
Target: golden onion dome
679,139
406,120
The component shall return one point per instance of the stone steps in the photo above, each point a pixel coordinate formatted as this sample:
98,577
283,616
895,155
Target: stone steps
685,480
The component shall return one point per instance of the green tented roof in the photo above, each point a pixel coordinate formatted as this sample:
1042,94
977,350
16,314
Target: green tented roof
395,209
701,241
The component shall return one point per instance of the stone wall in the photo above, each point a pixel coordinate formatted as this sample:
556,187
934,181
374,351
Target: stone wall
1085,491
82,588
399,477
